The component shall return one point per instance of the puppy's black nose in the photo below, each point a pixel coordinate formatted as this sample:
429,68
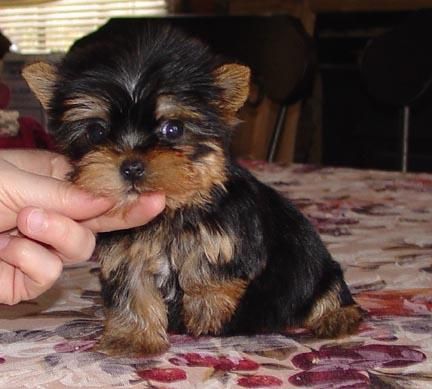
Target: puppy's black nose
132,169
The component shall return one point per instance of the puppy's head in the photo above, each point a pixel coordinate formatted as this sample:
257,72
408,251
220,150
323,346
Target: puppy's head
148,111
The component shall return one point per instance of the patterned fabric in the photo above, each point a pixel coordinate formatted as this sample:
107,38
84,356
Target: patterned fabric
9,125
378,225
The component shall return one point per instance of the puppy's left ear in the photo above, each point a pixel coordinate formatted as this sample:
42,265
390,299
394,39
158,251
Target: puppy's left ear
233,79
41,78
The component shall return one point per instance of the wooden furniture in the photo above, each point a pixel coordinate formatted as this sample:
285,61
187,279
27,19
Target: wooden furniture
306,11
252,138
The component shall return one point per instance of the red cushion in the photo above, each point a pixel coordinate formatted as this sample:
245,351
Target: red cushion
31,135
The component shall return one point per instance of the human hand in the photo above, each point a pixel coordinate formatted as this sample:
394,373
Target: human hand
45,221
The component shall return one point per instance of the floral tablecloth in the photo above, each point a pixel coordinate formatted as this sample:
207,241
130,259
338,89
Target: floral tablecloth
378,225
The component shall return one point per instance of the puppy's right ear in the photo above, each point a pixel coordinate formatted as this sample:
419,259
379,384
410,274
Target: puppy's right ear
41,78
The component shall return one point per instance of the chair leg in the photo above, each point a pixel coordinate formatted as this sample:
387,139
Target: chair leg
405,137
279,126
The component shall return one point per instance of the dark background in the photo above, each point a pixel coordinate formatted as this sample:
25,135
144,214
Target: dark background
357,130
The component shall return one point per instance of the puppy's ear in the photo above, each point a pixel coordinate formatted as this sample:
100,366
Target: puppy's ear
233,79
41,78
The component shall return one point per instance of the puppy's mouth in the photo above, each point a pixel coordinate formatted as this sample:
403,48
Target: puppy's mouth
133,190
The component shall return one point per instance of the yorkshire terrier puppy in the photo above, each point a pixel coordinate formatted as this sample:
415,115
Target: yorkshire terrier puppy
154,110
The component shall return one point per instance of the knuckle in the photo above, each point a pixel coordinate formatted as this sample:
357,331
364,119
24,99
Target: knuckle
88,246
81,246
72,240
21,249
27,257
63,231
53,271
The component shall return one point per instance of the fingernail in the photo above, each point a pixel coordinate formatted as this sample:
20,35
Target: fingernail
4,241
36,221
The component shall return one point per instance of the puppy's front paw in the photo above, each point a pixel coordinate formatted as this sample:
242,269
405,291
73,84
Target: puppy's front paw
209,308
134,345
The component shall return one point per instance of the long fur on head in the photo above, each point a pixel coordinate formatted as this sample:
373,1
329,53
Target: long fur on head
130,86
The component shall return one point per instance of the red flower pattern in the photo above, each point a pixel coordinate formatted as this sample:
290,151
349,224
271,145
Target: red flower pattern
163,374
335,364
259,381
339,378
359,357
397,303
217,362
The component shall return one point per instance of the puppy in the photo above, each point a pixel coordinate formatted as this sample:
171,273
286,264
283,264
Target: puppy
154,110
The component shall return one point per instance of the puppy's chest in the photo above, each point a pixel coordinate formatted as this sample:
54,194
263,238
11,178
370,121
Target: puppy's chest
175,257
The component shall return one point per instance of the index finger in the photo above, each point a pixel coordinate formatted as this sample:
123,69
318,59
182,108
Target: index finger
47,193
145,209
41,162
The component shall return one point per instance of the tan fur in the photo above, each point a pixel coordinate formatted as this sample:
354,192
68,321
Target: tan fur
218,246
328,302
111,257
41,78
145,253
98,172
139,327
85,107
167,107
340,322
188,250
184,182
208,303
328,319
207,306
234,80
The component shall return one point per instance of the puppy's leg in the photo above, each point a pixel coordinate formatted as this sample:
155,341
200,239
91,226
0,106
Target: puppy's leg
136,319
329,319
138,328
210,304
210,294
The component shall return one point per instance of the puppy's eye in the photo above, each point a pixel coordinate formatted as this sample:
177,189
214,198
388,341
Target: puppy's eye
172,129
96,133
